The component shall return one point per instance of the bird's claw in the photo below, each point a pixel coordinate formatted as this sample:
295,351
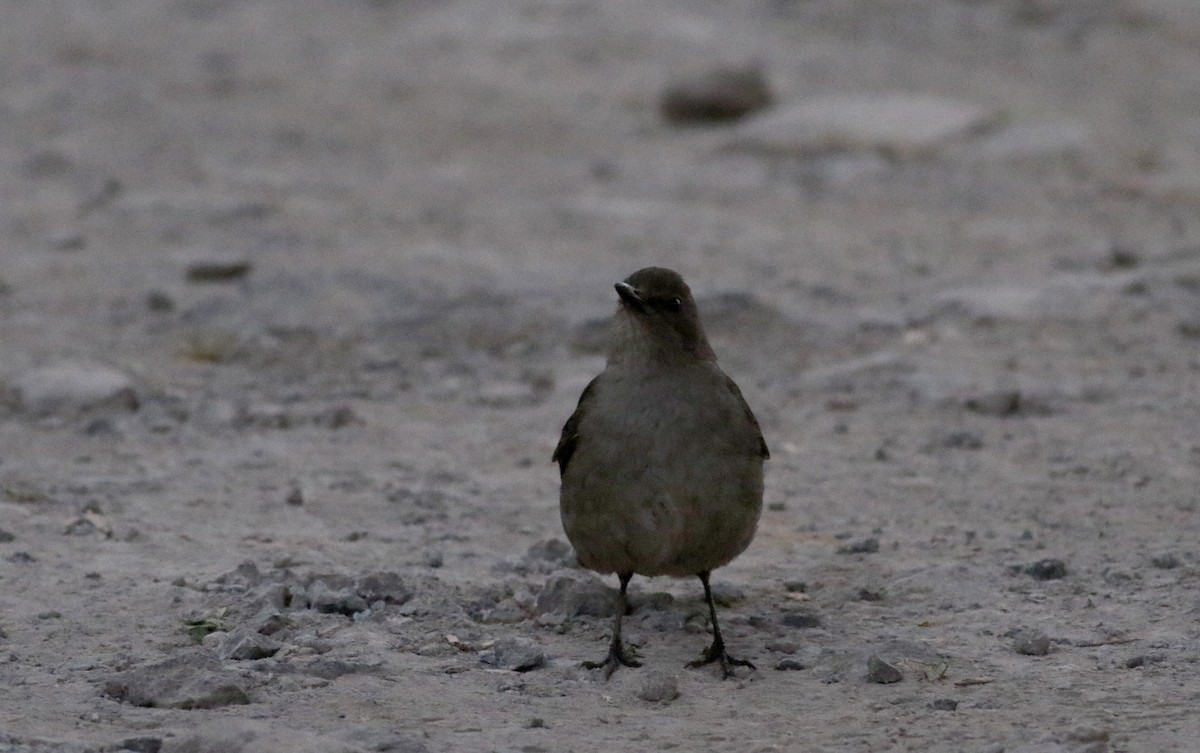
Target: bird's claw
616,657
716,653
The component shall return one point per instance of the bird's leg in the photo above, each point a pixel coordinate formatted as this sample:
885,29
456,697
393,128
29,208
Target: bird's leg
716,652
616,649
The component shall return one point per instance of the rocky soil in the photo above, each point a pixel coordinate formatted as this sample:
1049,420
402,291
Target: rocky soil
295,297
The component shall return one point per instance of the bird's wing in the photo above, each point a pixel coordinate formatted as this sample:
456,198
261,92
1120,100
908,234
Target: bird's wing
570,433
762,443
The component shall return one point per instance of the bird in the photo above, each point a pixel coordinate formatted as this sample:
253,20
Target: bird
661,463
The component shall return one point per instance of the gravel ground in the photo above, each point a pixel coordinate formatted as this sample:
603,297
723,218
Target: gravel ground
295,297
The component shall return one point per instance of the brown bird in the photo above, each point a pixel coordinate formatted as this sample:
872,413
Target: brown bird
662,461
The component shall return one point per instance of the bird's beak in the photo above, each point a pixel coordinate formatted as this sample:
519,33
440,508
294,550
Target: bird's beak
629,296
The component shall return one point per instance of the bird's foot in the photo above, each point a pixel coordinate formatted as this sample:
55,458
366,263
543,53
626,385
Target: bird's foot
616,657
716,653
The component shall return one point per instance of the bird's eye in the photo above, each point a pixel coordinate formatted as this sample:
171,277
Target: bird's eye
675,304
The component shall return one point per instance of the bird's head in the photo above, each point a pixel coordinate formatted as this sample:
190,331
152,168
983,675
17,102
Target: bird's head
657,316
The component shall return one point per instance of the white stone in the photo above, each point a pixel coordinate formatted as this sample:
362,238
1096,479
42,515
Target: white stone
71,388
895,124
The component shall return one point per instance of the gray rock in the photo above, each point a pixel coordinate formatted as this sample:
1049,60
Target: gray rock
387,587
801,618
70,388
659,687
896,125
790,664
576,594
881,672
242,736
242,644
327,667
506,612
514,653
717,95
244,576
944,704
1031,642
188,679
865,546
336,601
384,740
267,621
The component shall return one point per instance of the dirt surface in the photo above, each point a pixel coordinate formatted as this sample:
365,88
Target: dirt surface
295,297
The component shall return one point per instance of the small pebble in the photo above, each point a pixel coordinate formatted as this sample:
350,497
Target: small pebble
516,654
68,241
866,546
68,388
944,704
1047,569
659,687
1031,642
716,96
963,440
1089,734
801,619
999,403
1142,660
157,300
1165,561
216,270
789,664
295,495
881,672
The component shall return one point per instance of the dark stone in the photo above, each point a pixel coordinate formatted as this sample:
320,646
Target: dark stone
1142,660
217,270
1047,569
963,440
716,96
141,745
1165,561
